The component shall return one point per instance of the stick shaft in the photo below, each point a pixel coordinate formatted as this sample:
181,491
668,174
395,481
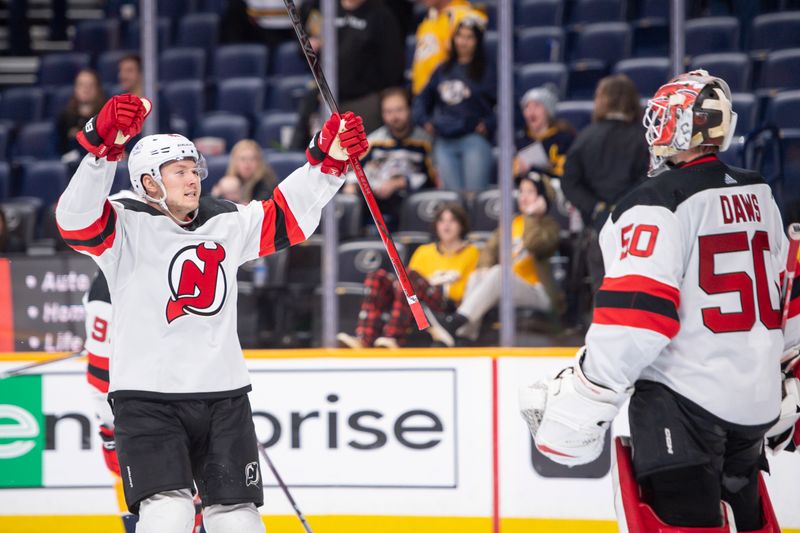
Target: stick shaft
25,368
327,95
284,488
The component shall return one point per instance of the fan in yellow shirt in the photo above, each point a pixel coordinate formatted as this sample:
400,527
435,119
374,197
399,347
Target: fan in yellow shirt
434,35
438,271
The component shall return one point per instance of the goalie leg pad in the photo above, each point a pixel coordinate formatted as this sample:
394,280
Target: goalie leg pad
236,518
635,516
171,511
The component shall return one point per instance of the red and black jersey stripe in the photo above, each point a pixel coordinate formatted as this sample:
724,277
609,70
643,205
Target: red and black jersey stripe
638,302
279,229
97,372
794,299
95,238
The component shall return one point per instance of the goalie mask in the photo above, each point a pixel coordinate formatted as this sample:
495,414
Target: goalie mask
153,152
693,109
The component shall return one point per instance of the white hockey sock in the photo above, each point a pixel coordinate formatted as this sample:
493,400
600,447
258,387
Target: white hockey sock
167,512
238,518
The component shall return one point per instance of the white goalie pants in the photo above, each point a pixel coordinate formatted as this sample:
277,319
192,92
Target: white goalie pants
173,512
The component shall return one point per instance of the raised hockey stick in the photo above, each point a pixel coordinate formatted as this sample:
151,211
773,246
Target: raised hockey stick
284,488
366,190
25,368
791,267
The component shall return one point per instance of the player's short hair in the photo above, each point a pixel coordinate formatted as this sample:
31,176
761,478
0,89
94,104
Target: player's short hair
402,92
458,212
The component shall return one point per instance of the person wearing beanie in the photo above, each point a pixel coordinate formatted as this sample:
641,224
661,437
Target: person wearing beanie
535,238
544,144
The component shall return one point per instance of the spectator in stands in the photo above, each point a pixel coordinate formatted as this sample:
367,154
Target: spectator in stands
256,21
606,160
129,74
370,55
8,242
434,36
86,101
247,163
228,188
438,272
457,109
398,162
544,145
535,238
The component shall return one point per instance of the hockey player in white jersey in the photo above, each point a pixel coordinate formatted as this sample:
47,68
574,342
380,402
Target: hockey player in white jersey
178,380
687,324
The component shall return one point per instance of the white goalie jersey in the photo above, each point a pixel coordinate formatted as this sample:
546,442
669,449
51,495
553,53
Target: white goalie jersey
173,287
691,299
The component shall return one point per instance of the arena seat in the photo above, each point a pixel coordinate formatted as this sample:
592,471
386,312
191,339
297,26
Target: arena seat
285,93
45,180
288,60
179,64
164,35
284,163
5,181
733,67
538,74
419,208
242,96
781,70
540,45
709,35
240,60
231,128
775,31
359,258
647,73
185,99
96,36
594,11
531,13
61,69
271,126
36,140
199,30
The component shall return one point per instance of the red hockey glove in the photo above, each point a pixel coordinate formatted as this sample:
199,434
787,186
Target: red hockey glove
341,137
109,449
106,133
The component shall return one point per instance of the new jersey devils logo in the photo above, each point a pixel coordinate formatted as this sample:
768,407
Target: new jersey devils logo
197,281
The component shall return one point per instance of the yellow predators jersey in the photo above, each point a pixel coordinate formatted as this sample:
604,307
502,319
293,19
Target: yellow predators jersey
449,270
433,40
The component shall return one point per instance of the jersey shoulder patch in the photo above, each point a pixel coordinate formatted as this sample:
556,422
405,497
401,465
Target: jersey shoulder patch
673,187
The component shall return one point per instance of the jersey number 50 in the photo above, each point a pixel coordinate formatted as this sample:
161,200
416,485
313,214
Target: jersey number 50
739,282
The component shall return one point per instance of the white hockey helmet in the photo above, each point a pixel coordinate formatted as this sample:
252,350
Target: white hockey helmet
153,151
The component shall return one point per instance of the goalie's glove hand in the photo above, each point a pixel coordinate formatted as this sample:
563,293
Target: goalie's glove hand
106,133
568,417
341,138
109,448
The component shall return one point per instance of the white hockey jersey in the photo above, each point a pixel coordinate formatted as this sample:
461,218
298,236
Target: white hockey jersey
694,260
97,306
173,288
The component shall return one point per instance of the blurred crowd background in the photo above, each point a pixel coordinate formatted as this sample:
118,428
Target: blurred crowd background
423,75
